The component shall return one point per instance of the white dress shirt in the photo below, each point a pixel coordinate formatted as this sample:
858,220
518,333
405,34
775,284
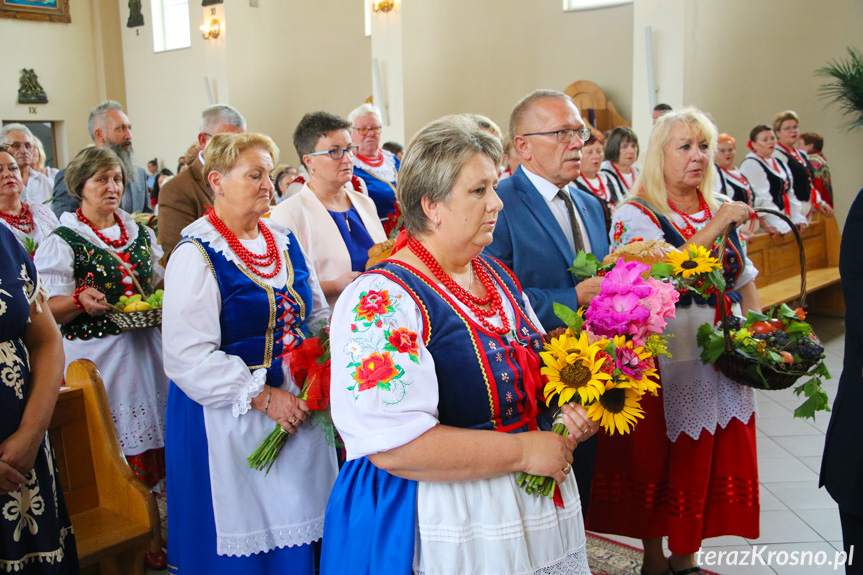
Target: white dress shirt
558,208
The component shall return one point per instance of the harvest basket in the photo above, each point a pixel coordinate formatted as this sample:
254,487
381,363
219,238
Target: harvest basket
128,320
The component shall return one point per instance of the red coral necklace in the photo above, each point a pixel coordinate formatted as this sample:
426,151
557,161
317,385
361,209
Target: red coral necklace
253,261
492,297
116,244
600,191
23,221
370,162
690,230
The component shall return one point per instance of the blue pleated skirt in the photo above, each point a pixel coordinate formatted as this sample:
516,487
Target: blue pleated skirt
191,522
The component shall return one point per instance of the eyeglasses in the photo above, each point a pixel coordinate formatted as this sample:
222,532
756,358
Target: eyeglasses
338,153
789,128
565,136
363,131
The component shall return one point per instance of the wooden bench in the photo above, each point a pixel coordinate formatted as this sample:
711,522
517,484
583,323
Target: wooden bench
778,264
114,515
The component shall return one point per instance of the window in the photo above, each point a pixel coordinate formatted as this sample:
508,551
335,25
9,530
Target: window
573,5
171,25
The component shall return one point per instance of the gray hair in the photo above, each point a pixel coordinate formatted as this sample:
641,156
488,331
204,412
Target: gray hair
85,165
14,128
364,110
97,115
433,161
524,105
214,116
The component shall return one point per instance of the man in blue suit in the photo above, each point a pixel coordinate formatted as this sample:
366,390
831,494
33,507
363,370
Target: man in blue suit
545,220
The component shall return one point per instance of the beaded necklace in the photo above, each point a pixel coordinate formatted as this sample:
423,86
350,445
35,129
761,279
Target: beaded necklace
492,297
601,191
116,244
370,162
689,230
23,221
252,261
622,179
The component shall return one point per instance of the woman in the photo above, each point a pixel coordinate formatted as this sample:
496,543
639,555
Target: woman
87,264
35,532
786,125
594,181
689,467
621,152
161,177
335,225
38,161
284,176
429,351
771,182
239,297
30,224
730,182
812,144
376,167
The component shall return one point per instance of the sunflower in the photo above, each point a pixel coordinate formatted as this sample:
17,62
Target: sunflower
692,261
617,409
574,368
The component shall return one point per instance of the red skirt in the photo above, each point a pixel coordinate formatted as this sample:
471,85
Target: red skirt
646,486
149,466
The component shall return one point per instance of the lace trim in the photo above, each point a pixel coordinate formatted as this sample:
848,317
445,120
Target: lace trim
386,171
139,426
52,557
251,389
204,231
294,536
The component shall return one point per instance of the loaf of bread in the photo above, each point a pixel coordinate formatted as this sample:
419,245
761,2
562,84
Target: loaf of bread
649,252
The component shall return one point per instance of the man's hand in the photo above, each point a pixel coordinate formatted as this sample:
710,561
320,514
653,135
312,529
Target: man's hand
587,290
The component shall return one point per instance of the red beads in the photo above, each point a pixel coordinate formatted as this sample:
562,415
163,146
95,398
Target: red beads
253,261
491,298
23,221
116,244
690,230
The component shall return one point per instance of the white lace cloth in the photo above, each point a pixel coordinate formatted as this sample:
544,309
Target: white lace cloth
695,396
253,512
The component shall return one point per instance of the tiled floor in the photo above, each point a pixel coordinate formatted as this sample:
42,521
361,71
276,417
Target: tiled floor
795,514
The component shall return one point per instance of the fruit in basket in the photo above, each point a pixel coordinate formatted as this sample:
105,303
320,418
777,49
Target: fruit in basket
762,327
137,303
137,306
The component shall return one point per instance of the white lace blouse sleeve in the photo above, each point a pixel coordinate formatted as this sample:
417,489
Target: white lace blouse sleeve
630,224
761,190
54,260
384,390
192,336
795,206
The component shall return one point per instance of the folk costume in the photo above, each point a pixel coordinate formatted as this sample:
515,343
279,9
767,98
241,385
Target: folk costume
130,362
31,226
688,470
772,184
803,176
380,176
36,535
229,329
733,183
604,190
619,182
407,355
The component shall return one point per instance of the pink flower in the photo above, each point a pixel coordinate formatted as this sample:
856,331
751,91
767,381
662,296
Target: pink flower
660,303
626,278
611,314
629,363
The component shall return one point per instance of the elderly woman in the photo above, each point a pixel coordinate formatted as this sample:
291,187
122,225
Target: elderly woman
94,257
285,174
771,181
35,532
336,225
729,181
595,181
690,466
375,166
434,391
30,224
240,295
786,125
621,152
812,144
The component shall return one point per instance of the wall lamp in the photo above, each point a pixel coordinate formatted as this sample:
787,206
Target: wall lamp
383,5
211,30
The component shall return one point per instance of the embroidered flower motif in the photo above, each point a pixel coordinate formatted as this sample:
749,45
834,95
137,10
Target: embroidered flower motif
11,377
498,357
352,347
536,344
377,370
509,396
619,230
402,340
492,345
524,331
25,505
372,303
504,377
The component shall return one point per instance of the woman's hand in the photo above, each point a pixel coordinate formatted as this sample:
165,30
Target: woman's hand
546,454
737,213
337,286
579,425
286,409
94,302
825,209
19,450
10,478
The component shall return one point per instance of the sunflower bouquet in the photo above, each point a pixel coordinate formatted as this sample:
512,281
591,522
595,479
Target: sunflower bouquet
691,269
605,359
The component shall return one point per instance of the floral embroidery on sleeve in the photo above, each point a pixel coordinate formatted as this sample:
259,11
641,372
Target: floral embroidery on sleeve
619,231
372,304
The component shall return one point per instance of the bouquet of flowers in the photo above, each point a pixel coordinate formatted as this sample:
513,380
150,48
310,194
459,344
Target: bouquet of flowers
310,365
778,346
605,359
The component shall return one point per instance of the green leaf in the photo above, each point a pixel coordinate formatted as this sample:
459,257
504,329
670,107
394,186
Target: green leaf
799,327
390,347
568,317
785,311
415,359
585,265
661,270
753,316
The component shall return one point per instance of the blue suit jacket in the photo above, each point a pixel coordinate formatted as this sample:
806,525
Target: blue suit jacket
528,239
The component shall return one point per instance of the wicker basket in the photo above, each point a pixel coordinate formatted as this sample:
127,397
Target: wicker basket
738,367
127,320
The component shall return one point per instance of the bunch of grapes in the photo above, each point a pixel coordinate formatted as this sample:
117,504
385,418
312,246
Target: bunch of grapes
124,300
809,350
155,300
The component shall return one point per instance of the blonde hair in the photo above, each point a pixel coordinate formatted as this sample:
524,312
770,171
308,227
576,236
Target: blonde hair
650,184
783,117
37,144
224,149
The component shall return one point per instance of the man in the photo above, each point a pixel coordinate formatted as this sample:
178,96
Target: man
110,128
659,110
185,197
37,186
545,220
377,168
